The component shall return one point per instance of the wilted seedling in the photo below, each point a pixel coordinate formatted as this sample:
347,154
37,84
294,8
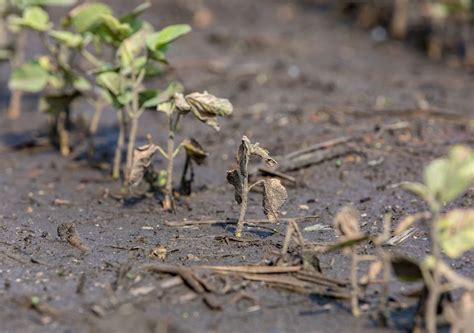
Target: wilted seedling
139,50
274,193
205,107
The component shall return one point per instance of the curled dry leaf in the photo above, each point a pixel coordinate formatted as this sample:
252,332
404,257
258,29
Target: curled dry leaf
181,104
346,222
274,197
233,178
195,151
142,158
255,149
205,107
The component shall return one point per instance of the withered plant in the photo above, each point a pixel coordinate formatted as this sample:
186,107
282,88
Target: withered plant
205,107
274,193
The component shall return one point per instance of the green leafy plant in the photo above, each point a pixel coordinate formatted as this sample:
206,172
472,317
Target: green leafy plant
52,74
274,193
138,50
13,37
445,179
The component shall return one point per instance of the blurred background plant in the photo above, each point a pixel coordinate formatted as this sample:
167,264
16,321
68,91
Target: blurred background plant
442,28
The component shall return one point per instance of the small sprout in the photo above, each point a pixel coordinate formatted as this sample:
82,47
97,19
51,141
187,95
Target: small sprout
456,232
274,195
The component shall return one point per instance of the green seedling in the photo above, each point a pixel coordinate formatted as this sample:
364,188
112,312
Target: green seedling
15,50
445,179
53,74
274,193
139,49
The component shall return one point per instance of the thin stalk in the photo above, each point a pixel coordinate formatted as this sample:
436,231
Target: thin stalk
94,126
434,288
131,145
63,134
185,185
168,203
119,146
14,109
354,284
134,112
245,191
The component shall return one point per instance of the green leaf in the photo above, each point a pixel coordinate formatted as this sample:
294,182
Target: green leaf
55,104
5,54
133,46
165,36
81,83
456,232
87,16
68,38
34,18
111,81
131,17
57,3
165,96
29,77
406,269
421,191
118,30
447,178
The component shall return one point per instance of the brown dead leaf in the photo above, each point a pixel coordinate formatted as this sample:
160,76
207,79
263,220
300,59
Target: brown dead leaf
274,197
346,222
195,151
233,178
142,158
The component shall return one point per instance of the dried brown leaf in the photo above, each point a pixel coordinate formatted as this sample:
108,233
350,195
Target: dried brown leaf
233,177
346,222
195,151
142,158
274,197
255,149
207,107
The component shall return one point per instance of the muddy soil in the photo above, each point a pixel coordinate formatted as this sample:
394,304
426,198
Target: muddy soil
296,76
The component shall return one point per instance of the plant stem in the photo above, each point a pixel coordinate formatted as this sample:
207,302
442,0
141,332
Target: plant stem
131,145
14,109
93,127
168,203
63,134
434,288
119,146
244,175
354,284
